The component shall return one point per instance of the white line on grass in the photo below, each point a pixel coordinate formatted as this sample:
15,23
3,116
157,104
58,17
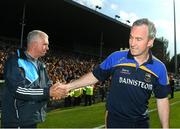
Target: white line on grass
152,110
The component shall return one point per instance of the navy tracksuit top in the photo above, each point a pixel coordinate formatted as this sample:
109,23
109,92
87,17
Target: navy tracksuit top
131,84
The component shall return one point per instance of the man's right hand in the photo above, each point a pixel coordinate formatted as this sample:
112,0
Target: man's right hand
58,91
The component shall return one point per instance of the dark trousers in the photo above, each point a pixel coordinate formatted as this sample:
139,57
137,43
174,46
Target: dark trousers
172,92
30,126
68,101
88,100
115,122
77,101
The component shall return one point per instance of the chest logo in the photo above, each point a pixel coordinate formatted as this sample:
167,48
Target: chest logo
125,71
147,77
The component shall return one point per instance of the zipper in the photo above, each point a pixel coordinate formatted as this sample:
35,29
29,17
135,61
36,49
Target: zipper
15,105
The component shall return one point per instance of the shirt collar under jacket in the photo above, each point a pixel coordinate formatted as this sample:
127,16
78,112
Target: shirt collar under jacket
149,61
30,58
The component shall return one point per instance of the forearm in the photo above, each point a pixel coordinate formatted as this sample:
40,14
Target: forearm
87,79
163,111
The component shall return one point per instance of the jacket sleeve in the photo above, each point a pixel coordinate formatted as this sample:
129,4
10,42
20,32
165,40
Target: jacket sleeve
16,83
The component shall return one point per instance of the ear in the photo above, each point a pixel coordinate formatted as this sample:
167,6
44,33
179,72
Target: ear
150,43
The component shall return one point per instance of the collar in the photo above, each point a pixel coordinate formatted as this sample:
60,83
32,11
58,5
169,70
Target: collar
30,57
149,61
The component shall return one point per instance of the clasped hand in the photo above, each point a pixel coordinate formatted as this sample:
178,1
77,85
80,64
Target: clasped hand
58,91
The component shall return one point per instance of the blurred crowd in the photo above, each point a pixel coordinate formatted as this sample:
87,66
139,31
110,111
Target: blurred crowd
65,67
4,50
62,66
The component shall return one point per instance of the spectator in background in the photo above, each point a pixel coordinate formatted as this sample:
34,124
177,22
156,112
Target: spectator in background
88,94
135,73
68,99
77,94
27,85
102,90
171,83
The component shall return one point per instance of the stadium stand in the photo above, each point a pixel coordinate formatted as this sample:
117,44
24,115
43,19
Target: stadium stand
79,36
68,24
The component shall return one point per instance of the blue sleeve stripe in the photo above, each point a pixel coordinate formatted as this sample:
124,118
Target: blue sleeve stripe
164,80
148,70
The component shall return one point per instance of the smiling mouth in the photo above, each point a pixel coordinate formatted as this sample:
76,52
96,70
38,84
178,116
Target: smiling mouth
133,48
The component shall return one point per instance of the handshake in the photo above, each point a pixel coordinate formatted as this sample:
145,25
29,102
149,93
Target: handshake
58,91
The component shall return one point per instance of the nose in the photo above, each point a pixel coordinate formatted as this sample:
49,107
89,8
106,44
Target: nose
132,42
47,48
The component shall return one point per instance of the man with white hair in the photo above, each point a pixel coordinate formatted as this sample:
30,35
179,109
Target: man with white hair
27,85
